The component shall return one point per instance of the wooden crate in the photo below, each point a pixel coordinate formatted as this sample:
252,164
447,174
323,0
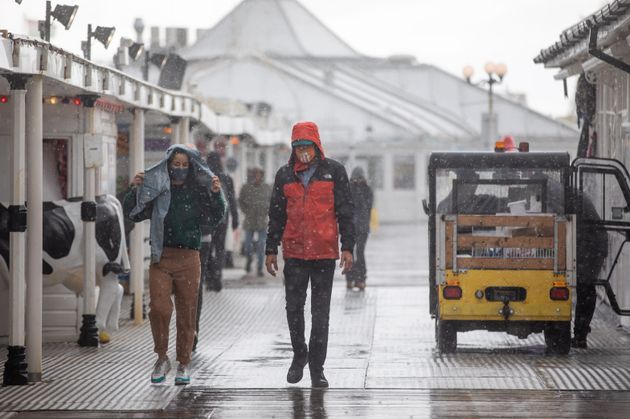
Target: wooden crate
517,242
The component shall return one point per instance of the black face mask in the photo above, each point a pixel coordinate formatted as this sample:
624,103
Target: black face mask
178,173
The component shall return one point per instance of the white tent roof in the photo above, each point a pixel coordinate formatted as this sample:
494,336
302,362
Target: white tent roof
273,27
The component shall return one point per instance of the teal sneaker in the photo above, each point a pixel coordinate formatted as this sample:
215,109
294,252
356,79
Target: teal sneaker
182,377
160,369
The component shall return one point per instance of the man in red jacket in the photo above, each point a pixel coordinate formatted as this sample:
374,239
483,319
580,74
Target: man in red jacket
311,206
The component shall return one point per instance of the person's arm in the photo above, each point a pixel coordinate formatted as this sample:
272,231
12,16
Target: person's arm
129,203
370,197
277,216
344,209
231,197
213,209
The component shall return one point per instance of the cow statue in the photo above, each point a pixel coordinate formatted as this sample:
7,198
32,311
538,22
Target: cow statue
63,253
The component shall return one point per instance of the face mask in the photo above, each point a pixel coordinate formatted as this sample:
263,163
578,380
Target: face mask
305,156
178,174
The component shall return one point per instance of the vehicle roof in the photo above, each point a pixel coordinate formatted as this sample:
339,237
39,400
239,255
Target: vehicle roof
491,160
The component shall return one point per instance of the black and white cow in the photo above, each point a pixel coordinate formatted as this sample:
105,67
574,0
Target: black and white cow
63,249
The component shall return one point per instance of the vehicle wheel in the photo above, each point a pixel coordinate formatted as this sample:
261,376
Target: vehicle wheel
446,336
558,337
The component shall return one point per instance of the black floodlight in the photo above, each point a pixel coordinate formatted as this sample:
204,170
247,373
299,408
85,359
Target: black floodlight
135,50
156,59
62,13
65,14
103,34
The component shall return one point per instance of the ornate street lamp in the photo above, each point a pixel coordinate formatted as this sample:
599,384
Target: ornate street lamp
495,74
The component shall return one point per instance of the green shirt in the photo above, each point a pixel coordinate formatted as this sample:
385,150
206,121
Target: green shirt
182,223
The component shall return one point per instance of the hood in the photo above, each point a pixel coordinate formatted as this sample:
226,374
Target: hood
157,176
358,175
306,131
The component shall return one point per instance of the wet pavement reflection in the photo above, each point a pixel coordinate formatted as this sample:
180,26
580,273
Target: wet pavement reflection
381,360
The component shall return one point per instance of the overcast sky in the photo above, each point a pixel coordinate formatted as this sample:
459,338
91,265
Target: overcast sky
446,33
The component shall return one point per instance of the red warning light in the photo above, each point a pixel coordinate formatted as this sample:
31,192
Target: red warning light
4,99
76,101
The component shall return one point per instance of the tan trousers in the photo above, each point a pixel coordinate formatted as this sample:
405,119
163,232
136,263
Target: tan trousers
177,273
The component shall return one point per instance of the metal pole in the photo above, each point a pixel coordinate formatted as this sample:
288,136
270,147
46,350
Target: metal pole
491,120
88,49
145,67
34,233
89,332
136,164
47,21
15,367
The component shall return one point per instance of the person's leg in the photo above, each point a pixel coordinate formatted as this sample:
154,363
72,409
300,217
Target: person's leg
220,254
204,255
249,238
295,285
160,305
260,251
321,272
359,266
186,288
199,306
584,310
586,300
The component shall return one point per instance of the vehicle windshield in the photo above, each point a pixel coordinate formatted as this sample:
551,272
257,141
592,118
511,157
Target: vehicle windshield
499,191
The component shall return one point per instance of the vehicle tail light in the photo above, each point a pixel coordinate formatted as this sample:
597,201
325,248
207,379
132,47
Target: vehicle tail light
559,293
451,292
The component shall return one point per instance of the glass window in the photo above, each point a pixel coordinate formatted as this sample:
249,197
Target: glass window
404,172
374,169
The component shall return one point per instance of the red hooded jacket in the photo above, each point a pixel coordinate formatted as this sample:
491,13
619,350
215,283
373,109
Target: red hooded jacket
308,220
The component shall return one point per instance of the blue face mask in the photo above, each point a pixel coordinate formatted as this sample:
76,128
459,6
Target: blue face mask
178,174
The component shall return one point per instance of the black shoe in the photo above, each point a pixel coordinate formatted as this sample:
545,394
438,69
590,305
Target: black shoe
260,274
296,370
248,265
318,380
579,343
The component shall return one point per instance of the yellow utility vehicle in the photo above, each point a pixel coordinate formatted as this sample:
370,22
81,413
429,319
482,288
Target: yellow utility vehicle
502,240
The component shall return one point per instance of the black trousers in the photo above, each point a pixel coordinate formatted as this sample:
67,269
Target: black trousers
584,308
359,267
586,296
297,273
213,256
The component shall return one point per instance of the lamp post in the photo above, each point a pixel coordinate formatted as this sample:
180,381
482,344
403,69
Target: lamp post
64,14
103,34
495,74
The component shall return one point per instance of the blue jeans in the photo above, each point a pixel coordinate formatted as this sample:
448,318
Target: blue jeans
260,245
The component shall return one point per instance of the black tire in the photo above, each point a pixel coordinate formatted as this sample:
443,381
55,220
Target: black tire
558,337
446,336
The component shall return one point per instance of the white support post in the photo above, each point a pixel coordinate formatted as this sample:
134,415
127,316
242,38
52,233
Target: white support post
35,226
184,130
15,368
92,159
136,164
175,131
89,243
269,164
